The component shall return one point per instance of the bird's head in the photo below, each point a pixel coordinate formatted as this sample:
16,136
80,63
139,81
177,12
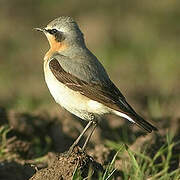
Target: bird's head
63,30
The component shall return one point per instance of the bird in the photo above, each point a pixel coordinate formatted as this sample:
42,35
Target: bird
78,81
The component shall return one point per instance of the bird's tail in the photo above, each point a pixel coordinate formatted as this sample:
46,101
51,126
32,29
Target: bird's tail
138,120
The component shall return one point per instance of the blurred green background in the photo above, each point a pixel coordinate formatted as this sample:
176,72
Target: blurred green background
137,41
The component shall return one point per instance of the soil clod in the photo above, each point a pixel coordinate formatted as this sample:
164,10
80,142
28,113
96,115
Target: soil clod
66,164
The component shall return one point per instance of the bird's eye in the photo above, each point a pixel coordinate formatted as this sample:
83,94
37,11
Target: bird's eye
53,31
59,36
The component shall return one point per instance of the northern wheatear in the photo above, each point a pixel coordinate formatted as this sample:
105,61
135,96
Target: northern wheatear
79,82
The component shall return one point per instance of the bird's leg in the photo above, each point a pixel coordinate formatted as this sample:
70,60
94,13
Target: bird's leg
89,136
80,136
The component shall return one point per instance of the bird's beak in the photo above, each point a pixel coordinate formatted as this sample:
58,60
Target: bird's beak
40,29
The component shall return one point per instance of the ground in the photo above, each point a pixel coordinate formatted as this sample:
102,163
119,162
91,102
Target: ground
36,144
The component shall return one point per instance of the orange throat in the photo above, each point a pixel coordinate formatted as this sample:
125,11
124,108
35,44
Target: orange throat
55,46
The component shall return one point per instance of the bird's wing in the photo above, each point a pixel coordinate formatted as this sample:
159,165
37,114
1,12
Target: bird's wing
107,94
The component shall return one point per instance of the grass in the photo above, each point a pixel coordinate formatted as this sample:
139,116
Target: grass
3,141
109,172
5,154
140,165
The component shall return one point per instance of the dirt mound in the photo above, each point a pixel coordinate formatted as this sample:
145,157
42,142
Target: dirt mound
65,166
31,141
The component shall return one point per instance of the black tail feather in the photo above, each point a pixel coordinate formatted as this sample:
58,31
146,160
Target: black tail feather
144,124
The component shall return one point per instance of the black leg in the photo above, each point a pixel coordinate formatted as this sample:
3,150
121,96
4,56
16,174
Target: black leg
89,136
80,136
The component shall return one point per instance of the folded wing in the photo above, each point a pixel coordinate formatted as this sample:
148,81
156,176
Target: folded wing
106,93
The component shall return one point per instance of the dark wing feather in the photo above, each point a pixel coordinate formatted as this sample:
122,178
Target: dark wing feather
106,93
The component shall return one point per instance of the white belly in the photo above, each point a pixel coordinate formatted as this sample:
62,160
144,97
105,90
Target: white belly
71,100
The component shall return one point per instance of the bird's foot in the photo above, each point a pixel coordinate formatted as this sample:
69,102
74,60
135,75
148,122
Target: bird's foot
75,149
